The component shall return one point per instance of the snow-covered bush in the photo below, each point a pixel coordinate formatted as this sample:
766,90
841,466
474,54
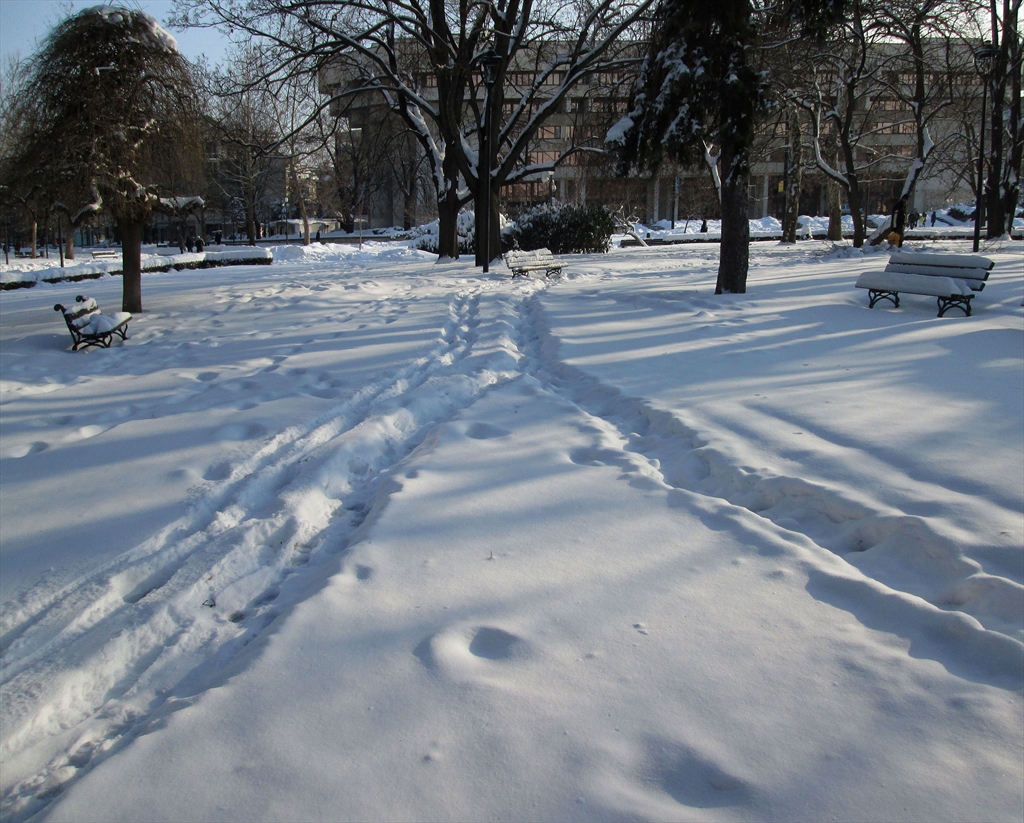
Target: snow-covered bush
425,237
565,228
465,226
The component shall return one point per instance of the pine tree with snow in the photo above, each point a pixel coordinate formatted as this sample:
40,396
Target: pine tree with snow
698,96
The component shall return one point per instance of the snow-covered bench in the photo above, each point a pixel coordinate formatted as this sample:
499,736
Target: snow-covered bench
89,327
951,278
105,253
523,262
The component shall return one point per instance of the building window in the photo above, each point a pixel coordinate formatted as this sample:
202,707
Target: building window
536,157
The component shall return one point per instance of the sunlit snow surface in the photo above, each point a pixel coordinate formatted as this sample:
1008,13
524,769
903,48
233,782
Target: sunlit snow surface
359,536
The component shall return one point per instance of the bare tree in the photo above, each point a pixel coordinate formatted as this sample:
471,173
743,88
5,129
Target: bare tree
843,77
1006,146
244,129
394,49
877,91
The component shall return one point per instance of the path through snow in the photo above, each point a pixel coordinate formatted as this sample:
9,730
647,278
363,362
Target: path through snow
302,455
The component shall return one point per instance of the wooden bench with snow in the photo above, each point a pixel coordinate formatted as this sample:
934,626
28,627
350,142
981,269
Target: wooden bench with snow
523,262
951,278
105,253
89,327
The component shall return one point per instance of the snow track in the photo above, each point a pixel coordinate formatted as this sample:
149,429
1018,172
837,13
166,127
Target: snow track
927,584
105,657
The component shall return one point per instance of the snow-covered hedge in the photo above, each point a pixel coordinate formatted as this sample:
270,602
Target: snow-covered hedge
565,228
28,273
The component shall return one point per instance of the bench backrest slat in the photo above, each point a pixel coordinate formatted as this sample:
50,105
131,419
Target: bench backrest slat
975,278
963,261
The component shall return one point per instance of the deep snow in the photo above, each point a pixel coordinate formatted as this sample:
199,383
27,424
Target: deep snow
362,536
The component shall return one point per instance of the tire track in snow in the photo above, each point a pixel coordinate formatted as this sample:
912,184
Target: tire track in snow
95,665
656,448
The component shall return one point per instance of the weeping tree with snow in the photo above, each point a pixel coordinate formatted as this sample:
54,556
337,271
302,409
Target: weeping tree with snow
699,95
113,125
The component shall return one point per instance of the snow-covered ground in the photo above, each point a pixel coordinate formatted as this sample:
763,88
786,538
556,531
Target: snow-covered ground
360,536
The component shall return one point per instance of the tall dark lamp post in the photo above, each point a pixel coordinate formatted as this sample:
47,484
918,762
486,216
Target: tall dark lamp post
490,61
984,61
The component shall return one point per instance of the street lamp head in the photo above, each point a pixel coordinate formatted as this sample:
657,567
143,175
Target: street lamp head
490,61
985,58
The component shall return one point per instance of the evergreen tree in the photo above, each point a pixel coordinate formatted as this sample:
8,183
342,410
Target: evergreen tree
698,95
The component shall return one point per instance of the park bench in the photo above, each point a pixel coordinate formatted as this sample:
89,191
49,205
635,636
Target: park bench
89,327
523,262
951,278
105,252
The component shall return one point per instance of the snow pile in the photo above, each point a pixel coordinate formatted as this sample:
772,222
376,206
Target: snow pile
224,253
33,271
383,538
347,253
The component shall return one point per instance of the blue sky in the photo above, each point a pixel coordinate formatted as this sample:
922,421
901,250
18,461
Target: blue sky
23,23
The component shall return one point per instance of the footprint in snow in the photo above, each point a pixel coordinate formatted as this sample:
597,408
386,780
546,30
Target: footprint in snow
218,471
468,652
486,431
690,777
27,449
238,432
86,432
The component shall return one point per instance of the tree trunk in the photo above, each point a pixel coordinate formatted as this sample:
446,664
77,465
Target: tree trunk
794,182
131,265
35,240
856,211
250,222
1014,169
69,238
835,210
448,212
994,204
409,206
735,251
302,206
447,227
493,228
486,199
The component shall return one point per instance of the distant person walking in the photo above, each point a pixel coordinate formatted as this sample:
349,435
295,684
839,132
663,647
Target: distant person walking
199,243
899,221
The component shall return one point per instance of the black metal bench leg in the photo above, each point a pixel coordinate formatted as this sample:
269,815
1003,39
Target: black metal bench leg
947,303
875,295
